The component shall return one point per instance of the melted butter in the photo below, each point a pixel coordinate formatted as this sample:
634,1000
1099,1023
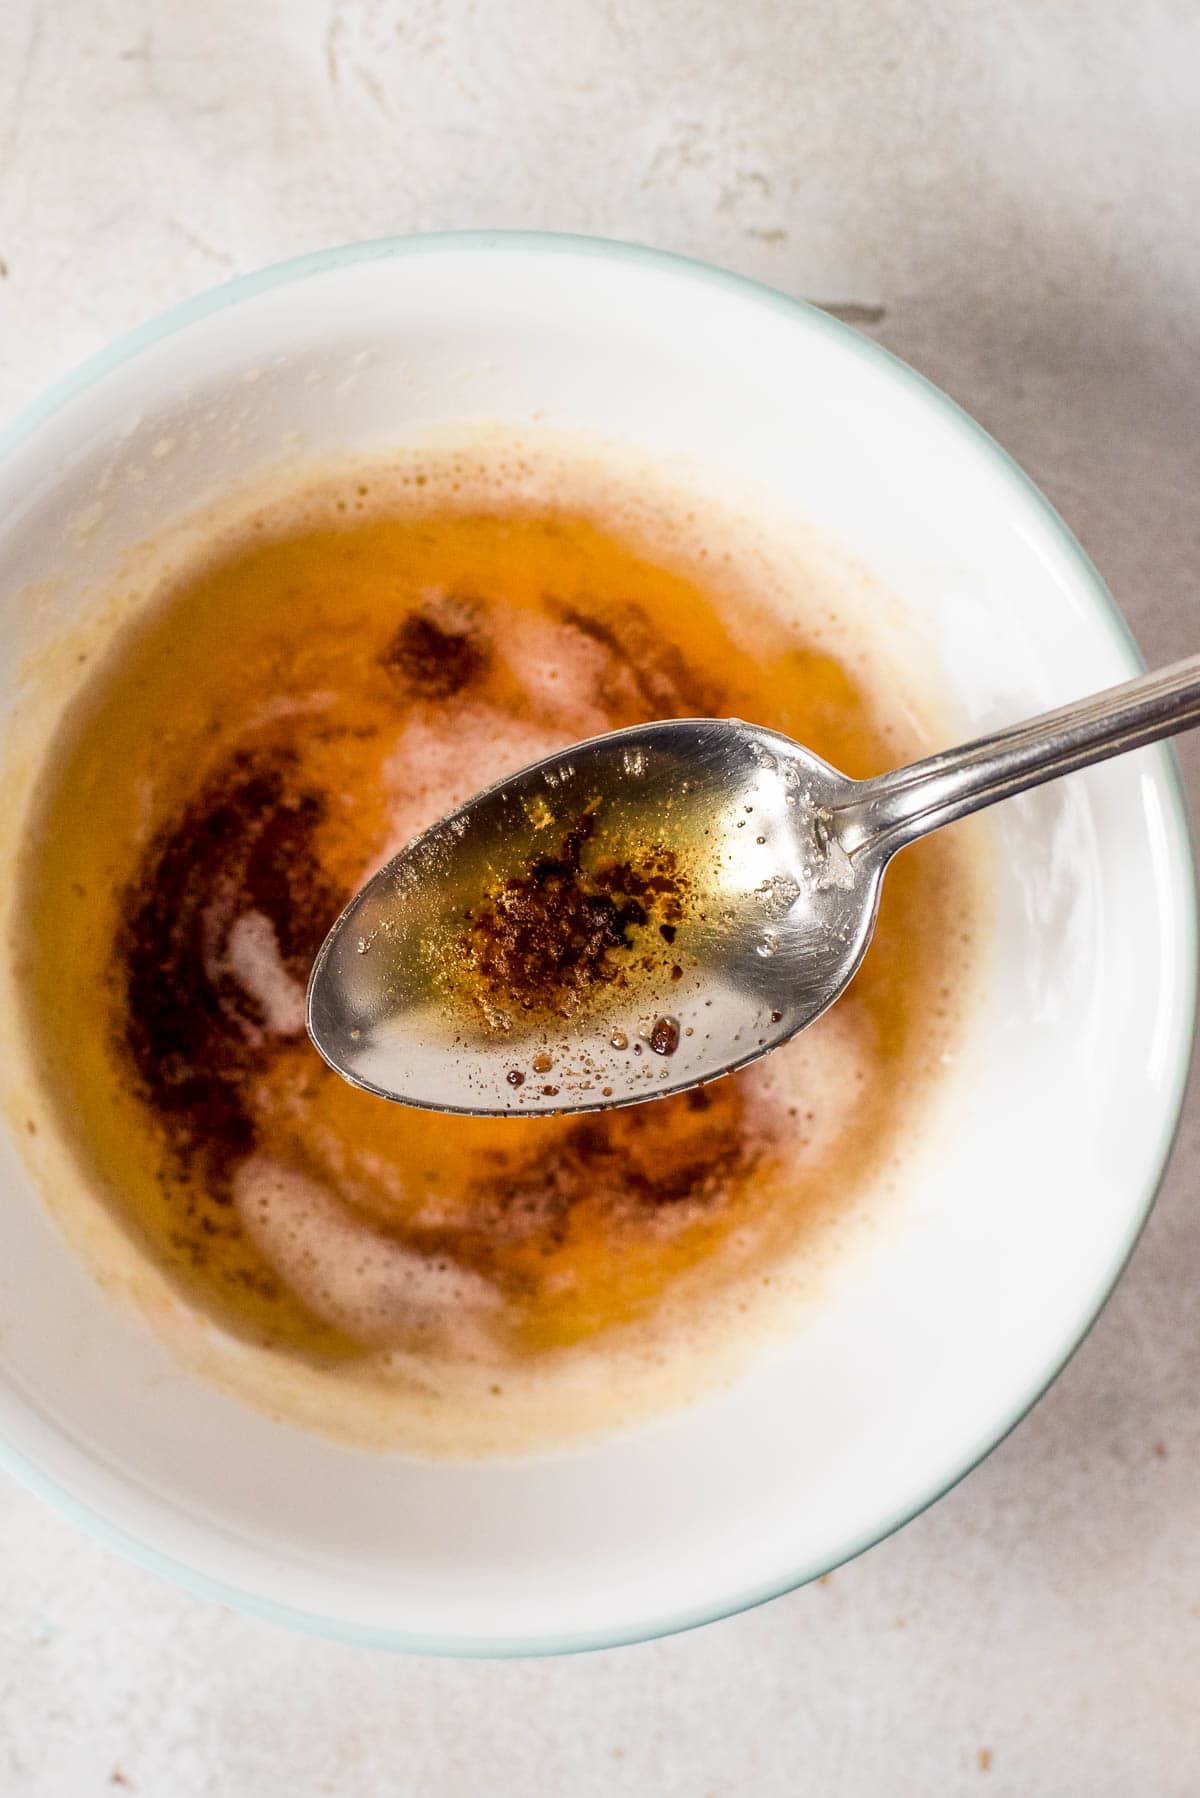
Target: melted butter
341,1225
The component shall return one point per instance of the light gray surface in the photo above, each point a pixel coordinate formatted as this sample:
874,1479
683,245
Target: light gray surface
1009,192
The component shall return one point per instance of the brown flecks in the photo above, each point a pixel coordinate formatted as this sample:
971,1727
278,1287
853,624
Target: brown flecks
552,933
667,932
826,1579
776,1017
542,1063
515,1077
431,660
31,1126
670,1157
664,1036
3,269
551,1092
647,673
118,1778
195,1038
984,1757
1159,1451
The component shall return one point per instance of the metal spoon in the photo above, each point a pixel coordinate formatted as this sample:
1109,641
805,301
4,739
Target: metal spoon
782,859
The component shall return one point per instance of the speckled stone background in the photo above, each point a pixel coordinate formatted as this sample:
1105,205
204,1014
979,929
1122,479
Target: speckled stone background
1007,194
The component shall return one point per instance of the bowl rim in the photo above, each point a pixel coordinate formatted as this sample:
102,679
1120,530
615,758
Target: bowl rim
979,442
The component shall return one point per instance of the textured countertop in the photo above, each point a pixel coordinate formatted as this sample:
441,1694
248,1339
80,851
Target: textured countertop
1007,195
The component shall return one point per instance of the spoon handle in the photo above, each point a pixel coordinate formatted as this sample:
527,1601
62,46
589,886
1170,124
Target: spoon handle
894,809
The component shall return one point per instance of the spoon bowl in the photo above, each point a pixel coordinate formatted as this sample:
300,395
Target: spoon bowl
771,919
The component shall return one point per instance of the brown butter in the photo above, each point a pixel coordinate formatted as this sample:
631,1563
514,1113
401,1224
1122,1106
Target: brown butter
273,690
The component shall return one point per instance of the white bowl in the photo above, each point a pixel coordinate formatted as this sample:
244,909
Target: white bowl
948,1332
